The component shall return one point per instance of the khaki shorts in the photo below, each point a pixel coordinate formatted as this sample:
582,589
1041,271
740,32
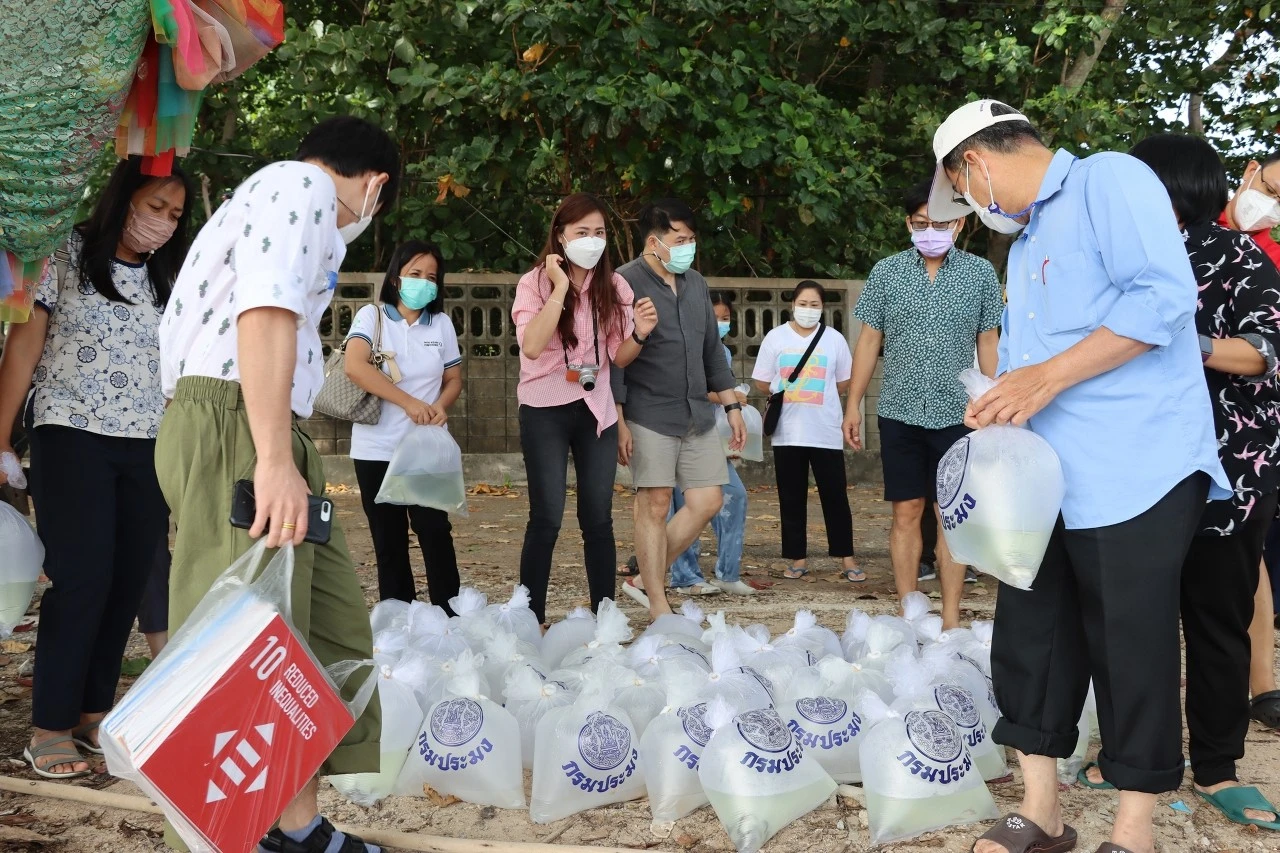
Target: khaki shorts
691,461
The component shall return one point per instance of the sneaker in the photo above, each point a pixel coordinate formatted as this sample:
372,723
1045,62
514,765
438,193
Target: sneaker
733,587
970,576
635,593
927,572
699,588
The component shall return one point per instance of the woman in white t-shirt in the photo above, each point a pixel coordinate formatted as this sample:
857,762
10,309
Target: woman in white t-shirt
808,436
415,328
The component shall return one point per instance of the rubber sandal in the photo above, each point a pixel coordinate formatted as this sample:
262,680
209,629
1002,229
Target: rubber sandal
1083,778
787,573
1265,708
80,737
49,749
1017,834
699,588
1232,802
634,592
630,570
317,842
854,575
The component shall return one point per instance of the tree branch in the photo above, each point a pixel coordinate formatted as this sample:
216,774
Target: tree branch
1074,75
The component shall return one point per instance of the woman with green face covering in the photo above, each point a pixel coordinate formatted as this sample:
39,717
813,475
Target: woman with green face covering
428,370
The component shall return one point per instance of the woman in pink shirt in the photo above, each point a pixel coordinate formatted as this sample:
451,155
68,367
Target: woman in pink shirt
573,317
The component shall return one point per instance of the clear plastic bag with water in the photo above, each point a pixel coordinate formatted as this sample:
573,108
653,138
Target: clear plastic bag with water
426,470
753,450
1000,491
468,747
805,633
827,724
401,722
757,777
670,749
586,755
529,698
917,773
515,616
741,686
24,558
574,631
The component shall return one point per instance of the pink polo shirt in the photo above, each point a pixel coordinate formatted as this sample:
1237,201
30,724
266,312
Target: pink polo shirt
542,379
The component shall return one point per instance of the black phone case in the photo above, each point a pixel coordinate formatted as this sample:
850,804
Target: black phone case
319,517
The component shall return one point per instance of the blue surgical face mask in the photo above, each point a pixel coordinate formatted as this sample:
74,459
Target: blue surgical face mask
723,327
681,257
416,293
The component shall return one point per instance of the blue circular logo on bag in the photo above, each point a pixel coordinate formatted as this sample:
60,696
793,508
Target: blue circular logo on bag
604,743
934,735
764,729
957,704
822,709
694,720
456,721
951,472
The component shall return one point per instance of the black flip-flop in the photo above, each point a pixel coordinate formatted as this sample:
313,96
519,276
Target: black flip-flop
1265,708
631,569
1018,834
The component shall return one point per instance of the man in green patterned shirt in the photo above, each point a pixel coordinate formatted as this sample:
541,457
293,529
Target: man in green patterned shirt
929,307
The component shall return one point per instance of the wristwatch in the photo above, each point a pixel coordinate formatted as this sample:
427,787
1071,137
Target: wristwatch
641,341
1206,348
733,407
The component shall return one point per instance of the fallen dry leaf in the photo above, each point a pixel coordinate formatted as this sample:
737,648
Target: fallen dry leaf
134,829
438,799
18,835
14,647
18,819
685,840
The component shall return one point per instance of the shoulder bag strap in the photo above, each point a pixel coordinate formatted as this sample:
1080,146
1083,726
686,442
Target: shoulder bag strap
813,344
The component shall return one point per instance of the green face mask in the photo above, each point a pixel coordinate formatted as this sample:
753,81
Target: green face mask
681,257
416,293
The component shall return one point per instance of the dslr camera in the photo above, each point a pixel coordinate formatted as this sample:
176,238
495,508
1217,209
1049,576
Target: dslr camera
584,374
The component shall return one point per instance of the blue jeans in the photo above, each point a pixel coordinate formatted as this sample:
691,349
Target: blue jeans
729,525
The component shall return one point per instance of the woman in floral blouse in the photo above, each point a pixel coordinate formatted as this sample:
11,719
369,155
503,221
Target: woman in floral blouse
1238,317
93,354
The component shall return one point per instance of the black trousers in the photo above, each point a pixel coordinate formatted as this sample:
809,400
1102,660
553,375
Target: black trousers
1105,604
102,519
153,616
1219,579
389,528
791,471
548,435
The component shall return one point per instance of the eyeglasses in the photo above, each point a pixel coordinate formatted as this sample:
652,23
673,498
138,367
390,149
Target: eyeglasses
1262,179
917,225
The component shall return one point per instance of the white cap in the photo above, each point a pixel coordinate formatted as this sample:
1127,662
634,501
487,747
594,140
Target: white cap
959,126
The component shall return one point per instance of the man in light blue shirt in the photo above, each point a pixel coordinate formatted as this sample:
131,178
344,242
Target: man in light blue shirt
1099,355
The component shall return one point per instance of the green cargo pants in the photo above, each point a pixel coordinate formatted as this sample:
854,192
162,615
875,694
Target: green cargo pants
204,447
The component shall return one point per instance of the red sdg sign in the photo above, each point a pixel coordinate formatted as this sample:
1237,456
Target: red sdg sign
252,741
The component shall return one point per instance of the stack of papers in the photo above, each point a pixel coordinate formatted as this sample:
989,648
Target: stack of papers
227,725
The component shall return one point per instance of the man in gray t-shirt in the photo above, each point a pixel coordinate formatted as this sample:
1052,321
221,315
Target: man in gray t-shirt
666,432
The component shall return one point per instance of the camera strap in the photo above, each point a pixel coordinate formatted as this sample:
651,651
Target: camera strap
595,334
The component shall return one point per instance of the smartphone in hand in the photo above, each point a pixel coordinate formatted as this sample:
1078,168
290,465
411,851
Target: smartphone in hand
319,516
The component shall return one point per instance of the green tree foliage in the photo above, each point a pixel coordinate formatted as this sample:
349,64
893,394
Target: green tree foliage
791,125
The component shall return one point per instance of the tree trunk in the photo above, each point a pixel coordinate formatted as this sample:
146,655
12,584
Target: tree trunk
1077,72
1195,121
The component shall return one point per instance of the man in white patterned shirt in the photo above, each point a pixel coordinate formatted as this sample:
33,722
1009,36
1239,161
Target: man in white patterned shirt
241,359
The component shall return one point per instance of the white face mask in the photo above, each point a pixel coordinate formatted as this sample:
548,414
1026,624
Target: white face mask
1255,210
806,318
585,252
352,230
996,220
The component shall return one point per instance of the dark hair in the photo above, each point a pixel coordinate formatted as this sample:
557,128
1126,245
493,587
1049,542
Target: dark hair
1273,157
404,253
1192,173
353,147
656,217
100,233
809,284
721,297
917,196
1003,137
604,301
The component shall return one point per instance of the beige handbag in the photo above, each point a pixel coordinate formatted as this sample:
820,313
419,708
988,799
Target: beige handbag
341,398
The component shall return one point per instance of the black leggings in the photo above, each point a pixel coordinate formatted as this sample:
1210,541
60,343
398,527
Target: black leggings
791,470
1219,580
389,528
103,520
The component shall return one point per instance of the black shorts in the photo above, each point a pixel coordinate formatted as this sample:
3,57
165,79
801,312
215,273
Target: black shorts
910,456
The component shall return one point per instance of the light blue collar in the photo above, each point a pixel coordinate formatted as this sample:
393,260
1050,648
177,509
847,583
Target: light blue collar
393,313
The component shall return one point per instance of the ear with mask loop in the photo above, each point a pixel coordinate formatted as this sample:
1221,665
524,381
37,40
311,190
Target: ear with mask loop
993,207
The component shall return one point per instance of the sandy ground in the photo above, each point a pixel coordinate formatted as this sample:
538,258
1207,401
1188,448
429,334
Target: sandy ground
488,545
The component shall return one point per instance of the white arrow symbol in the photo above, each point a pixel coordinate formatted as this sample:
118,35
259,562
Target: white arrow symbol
220,740
214,794
267,732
